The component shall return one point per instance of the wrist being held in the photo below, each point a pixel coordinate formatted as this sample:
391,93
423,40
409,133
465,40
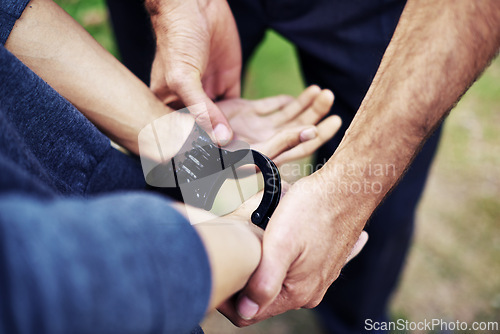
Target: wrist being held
303,254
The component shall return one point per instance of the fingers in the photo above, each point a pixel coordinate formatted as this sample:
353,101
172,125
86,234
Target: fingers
234,107
246,208
234,91
319,108
188,88
297,106
158,84
286,140
285,186
325,131
358,246
266,282
211,119
271,104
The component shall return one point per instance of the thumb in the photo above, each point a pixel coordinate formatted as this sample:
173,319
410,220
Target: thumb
358,246
209,117
266,282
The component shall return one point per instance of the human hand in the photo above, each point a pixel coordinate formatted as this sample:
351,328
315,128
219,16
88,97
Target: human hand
198,58
304,248
281,127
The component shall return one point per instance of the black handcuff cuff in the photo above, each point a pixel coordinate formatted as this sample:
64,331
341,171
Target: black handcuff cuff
202,167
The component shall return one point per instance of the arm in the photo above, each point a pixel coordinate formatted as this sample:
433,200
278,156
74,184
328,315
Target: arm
114,264
438,50
60,51
233,245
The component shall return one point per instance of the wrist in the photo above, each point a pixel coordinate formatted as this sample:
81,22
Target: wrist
353,188
234,252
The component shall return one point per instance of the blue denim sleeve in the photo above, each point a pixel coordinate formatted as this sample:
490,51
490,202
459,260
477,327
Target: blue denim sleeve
10,11
113,264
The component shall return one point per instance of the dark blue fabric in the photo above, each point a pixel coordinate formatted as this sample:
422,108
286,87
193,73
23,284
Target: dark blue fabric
340,45
125,263
58,143
80,250
10,11
136,41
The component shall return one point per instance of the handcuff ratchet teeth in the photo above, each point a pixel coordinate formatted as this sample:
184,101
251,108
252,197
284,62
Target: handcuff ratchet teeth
202,168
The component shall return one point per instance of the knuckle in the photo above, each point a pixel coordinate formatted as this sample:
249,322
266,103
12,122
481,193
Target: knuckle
313,303
291,139
178,79
297,294
267,289
175,82
203,119
306,295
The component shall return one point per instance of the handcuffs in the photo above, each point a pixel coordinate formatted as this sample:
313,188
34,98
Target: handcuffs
202,167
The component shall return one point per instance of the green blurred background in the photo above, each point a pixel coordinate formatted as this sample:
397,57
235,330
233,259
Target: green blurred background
453,271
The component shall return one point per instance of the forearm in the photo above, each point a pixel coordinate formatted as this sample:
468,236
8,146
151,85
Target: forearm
60,51
233,246
234,253
438,50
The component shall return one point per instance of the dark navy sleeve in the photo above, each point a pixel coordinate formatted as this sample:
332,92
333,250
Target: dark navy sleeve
10,11
114,264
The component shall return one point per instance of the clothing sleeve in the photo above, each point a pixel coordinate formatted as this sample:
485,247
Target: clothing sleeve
10,11
114,264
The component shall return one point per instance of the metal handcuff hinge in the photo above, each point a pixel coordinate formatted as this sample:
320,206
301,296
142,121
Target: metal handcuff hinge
201,168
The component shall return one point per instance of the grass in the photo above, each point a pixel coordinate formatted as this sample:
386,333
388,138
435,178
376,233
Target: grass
93,15
273,70
453,271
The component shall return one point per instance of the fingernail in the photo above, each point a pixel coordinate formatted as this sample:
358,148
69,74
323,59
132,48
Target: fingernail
222,134
247,308
308,134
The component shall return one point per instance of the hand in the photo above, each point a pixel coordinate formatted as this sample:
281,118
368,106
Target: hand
198,58
281,127
304,249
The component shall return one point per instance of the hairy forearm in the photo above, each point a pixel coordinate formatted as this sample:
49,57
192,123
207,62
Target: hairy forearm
439,48
60,51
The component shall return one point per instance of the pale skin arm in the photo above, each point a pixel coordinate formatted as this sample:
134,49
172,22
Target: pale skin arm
62,53
234,251
438,50
234,247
